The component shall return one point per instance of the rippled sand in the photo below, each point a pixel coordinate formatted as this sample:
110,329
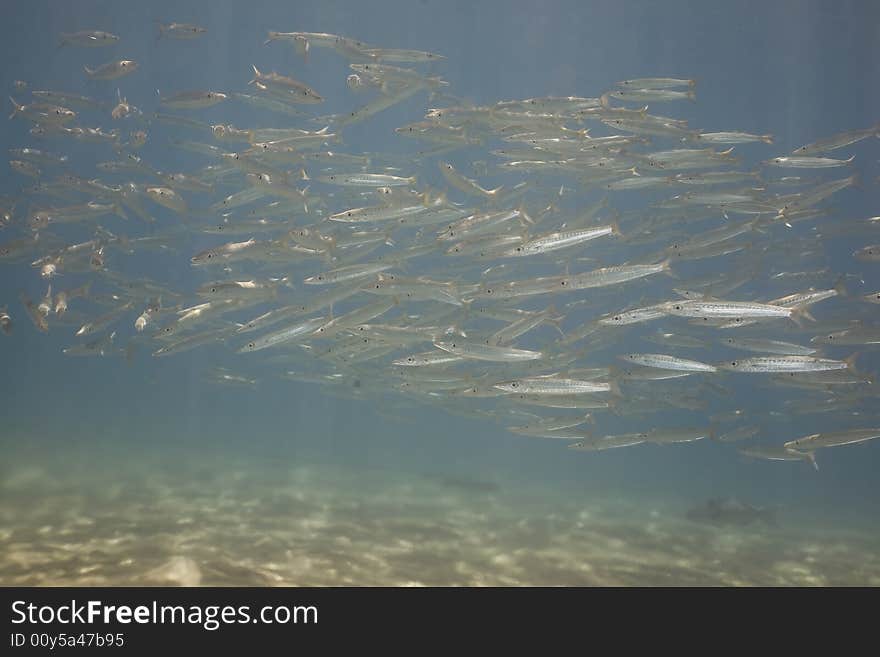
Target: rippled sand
182,521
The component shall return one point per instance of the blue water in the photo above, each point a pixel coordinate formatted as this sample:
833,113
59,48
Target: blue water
79,426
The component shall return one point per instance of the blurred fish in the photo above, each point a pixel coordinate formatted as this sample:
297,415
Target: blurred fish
111,70
730,512
88,39
832,439
180,31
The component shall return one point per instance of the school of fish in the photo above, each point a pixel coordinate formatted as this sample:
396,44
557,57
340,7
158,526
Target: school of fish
512,288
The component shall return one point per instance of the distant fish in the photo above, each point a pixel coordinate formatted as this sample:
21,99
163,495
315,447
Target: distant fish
88,39
180,31
730,512
193,99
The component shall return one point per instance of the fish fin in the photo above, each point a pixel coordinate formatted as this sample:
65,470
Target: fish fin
767,139
90,72
840,287
556,321
812,458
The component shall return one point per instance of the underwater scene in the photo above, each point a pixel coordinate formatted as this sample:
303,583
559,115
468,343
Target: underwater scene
440,293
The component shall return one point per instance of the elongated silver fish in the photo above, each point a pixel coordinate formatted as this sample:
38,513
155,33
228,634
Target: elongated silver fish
786,364
667,362
492,353
832,439
112,70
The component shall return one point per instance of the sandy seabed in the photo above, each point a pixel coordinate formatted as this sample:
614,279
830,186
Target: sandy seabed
183,521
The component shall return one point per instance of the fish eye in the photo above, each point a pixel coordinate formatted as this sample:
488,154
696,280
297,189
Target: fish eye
830,337
678,307
251,345
733,364
213,289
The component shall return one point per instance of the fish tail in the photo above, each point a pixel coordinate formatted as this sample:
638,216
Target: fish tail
90,72
16,108
851,361
713,432
667,269
767,139
614,386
